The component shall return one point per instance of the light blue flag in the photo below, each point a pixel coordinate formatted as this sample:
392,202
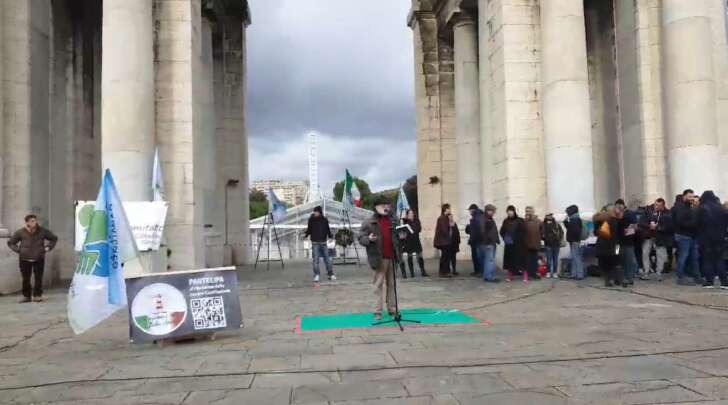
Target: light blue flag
276,207
402,202
98,288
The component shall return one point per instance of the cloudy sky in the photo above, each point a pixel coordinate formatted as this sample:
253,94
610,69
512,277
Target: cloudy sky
341,68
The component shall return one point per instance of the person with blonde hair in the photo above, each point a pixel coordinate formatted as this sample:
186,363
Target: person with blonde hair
606,229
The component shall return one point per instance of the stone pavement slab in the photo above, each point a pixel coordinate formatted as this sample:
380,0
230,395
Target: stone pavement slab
545,342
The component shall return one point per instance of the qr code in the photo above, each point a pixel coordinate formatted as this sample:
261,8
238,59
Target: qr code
208,313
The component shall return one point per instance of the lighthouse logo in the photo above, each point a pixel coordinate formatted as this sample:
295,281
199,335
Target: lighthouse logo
159,309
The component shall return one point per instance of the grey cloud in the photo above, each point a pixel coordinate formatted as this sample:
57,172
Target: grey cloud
339,67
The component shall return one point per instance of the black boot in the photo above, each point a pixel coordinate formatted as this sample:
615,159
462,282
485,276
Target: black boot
404,271
411,266
421,262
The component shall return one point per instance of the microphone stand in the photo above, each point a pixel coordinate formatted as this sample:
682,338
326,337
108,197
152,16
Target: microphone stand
394,264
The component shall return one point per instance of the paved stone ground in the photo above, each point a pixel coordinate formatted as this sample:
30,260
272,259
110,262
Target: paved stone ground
548,342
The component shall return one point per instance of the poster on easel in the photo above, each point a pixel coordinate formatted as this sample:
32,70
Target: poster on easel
146,219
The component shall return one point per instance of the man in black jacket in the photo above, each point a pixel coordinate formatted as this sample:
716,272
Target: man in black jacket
712,223
573,226
657,229
319,231
488,243
684,216
31,243
472,229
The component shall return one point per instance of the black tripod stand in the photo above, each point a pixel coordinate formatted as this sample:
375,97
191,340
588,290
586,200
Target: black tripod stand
269,223
394,264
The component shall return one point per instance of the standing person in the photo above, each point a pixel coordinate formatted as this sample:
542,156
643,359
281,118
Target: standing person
606,229
657,228
412,245
472,229
574,233
534,231
684,215
488,244
627,224
513,232
376,236
553,237
443,240
319,231
712,224
31,243
454,244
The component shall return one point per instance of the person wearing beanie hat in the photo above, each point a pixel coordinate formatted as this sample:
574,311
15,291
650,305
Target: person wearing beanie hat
513,232
553,237
488,244
319,231
375,235
574,230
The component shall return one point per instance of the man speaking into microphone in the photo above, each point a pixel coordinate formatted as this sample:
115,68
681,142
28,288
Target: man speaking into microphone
376,236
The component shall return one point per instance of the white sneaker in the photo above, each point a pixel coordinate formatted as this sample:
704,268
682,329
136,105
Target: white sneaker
548,275
332,277
556,275
724,287
316,278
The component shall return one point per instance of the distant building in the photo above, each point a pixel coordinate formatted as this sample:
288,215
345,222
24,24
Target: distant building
292,192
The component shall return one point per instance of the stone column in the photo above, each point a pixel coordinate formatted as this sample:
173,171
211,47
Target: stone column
3,230
179,24
486,122
690,96
127,96
234,158
467,115
566,106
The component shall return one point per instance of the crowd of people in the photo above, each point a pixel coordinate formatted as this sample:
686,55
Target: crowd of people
693,232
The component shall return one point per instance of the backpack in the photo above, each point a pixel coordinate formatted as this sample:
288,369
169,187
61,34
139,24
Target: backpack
584,231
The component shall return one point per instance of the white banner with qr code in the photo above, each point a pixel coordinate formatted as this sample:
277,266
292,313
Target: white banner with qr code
183,303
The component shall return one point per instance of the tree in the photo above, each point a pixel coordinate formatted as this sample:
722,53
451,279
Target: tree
363,186
258,204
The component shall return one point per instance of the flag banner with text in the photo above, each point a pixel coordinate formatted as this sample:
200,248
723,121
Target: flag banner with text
97,289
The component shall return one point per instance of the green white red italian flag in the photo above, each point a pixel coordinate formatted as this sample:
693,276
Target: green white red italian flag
352,196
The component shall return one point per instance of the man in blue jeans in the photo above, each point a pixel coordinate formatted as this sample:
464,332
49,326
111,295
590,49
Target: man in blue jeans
489,241
319,231
685,220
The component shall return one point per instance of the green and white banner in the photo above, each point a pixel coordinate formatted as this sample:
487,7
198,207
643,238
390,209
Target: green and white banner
145,218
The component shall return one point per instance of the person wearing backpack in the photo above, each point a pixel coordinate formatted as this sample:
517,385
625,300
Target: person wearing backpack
574,235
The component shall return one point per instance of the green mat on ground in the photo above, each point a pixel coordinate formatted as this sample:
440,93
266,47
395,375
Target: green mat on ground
427,316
